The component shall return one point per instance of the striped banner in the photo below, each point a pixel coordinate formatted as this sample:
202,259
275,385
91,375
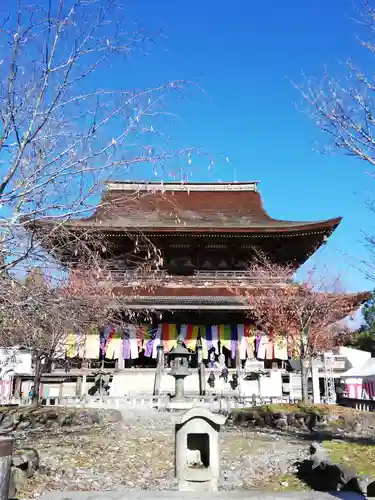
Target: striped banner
190,335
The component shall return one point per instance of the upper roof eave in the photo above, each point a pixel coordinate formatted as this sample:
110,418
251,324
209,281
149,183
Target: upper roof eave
279,227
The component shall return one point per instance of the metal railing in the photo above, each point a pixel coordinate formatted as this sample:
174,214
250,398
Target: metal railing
199,278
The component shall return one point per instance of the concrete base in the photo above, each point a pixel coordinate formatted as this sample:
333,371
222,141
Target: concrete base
176,495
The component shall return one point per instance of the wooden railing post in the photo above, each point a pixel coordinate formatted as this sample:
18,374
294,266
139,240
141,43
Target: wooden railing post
6,450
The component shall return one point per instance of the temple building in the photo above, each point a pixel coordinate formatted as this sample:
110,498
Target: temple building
205,235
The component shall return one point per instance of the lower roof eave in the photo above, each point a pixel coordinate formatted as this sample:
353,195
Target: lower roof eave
184,307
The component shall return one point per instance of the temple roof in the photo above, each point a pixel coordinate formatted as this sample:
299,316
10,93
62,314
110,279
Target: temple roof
207,297
191,207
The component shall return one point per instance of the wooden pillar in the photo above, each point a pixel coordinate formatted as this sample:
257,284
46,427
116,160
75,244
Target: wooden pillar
315,381
61,387
17,388
6,450
238,358
199,354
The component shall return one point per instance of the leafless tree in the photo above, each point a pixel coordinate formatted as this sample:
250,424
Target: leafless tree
63,129
343,107
40,313
303,313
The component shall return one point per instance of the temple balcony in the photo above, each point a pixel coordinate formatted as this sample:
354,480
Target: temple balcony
197,279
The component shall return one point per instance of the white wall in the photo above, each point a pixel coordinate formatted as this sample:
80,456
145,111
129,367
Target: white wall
356,358
13,359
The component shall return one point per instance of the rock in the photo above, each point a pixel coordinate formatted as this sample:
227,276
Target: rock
357,427
321,474
27,460
113,416
8,422
193,458
291,419
66,420
281,423
344,477
18,479
371,489
318,454
311,421
24,424
94,418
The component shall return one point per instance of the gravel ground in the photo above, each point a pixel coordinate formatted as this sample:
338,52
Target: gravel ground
138,453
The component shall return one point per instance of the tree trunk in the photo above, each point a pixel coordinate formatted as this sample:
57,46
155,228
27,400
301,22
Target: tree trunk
304,368
37,380
304,381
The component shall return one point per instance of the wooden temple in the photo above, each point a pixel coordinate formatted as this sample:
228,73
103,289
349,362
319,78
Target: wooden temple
205,235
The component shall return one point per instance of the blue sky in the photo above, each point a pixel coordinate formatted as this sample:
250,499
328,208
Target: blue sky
245,55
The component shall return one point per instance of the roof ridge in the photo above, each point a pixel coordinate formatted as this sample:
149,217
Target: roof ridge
250,186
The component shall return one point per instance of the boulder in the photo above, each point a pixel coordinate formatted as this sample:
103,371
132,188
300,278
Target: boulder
371,489
18,479
291,418
8,422
321,474
281,423
318,454
27,460
113,416
24,424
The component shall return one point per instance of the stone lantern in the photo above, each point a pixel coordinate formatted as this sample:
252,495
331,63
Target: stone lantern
179,357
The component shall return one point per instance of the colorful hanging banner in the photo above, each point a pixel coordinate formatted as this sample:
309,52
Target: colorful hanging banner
156,342
225,334
190,335
92,344
71,349
169,336
114,346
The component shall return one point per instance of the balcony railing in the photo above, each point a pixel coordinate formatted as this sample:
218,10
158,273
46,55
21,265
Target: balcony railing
199,278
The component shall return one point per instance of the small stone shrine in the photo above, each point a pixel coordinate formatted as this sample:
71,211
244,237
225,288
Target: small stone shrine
197,450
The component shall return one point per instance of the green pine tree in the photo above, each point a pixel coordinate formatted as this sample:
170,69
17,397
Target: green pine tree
364,338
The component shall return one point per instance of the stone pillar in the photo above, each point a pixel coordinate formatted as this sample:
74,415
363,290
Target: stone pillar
202,379
121,362
157,380
79,387
315,381
160,356
179,388
84,385
6,450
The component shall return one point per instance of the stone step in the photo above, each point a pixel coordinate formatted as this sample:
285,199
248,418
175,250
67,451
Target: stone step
176,495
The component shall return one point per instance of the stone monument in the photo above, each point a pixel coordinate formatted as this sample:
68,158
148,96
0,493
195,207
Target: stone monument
197,459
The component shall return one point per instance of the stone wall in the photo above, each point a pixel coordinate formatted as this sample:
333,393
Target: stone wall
318,417
15,419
